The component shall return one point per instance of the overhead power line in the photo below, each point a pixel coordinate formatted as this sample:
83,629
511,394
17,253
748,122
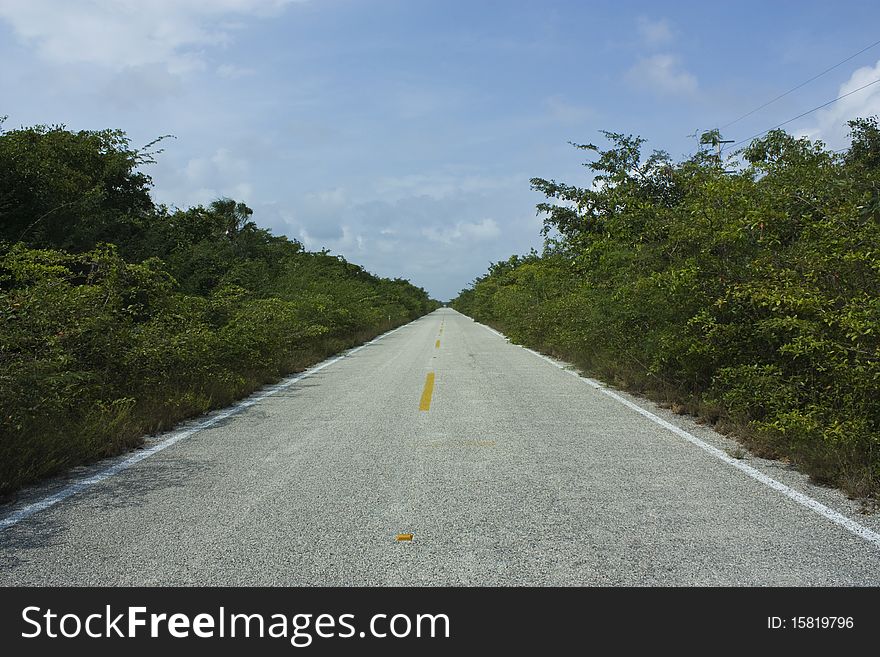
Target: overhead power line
802,84
779,125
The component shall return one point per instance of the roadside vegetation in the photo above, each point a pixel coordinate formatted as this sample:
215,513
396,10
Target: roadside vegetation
120,317
750,298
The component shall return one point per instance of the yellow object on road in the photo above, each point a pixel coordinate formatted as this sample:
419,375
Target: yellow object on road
427,392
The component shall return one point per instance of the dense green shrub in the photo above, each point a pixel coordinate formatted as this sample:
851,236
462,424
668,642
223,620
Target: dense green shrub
750,297
119,318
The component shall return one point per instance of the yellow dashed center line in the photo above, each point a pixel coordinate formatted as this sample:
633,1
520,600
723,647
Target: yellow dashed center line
427,392
437,344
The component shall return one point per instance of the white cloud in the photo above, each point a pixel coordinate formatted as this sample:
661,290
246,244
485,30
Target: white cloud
562,111
129,33
829,124
654,33
222,164
338,238
233,72
329,199
662,73
463,231
413,102
129,87
441,243
444,186
205,179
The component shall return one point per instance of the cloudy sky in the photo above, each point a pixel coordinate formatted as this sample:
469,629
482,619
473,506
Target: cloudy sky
402,133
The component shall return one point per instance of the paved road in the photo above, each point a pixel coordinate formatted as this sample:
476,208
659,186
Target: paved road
508,471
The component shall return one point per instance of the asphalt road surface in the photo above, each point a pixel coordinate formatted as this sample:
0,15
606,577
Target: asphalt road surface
504,468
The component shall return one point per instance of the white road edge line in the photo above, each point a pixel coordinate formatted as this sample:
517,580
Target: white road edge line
805,500
86,482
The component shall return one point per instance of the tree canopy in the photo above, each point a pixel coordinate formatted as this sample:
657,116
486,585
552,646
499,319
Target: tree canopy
119,317
749,297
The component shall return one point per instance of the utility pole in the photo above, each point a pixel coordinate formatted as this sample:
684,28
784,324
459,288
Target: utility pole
718,152
718,146
713,138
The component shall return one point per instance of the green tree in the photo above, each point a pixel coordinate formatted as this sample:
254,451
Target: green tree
70,190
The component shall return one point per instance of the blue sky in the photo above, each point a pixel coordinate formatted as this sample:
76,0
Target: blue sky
402,134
